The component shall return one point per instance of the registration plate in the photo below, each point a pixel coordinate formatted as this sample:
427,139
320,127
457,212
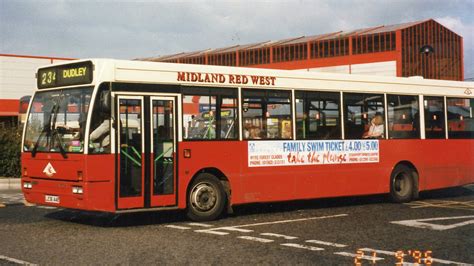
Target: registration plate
51,199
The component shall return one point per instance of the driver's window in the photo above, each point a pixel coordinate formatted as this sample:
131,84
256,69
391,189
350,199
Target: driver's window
99,137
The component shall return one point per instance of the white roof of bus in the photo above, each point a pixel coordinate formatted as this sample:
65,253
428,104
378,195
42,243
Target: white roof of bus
166,73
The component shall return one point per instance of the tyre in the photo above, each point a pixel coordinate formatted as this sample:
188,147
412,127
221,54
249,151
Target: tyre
402,184
206,198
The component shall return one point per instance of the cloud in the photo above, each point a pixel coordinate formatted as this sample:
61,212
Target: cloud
466,30
122,29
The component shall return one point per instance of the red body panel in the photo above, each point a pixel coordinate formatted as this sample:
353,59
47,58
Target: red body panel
98,179
440,163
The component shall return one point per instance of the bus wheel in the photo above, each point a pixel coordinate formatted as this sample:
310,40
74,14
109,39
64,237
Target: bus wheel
206,198
401,184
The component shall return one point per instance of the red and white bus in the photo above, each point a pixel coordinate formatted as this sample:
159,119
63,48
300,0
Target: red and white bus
124,136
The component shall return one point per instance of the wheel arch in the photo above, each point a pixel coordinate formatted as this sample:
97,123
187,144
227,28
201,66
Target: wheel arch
222,178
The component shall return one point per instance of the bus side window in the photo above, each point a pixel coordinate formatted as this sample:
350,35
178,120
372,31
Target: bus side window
318,115
434,117
403,117
228,121
210,114
266,114
360,110
460,118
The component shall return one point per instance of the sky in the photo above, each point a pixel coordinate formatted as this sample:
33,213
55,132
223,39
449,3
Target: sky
135,29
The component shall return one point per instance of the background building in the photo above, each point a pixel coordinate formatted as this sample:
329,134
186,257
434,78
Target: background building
17,79
394,50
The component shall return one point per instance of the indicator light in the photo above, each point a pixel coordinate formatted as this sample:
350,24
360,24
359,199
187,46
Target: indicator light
187,153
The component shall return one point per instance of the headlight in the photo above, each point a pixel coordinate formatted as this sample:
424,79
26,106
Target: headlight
77,190
27,185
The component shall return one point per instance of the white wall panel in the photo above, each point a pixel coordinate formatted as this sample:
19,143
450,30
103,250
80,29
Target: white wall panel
332,69
17,75
388,68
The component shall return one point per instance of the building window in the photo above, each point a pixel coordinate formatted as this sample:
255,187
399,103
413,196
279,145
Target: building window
460,118
320,50
317,115
434,117
326,48
266,114
363,115
403,117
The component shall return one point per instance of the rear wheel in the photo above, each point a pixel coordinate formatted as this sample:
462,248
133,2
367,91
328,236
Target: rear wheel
402,184
206,198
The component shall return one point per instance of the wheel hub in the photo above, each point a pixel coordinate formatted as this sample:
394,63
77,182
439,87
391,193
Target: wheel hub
400,185
204,197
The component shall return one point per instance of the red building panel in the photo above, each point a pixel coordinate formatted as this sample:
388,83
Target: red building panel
400,43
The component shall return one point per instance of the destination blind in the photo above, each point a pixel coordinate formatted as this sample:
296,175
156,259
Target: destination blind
65,75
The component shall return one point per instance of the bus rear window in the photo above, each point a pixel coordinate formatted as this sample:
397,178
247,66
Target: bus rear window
460,118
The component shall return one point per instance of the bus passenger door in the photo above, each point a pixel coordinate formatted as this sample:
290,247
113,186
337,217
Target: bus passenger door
130,151
163,151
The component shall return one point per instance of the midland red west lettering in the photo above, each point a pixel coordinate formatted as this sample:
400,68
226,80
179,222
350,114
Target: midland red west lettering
201,77
221,78
261,80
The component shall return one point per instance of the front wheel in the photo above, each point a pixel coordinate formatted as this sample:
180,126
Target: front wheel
402,184
206,198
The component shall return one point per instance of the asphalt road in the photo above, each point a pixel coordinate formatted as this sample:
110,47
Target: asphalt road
318,232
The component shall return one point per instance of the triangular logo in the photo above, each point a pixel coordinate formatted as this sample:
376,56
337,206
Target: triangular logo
49,170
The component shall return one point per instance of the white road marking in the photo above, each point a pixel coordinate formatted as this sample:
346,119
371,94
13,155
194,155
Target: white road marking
27,204
421,223
177,227
347,254
285,221
258,239
17,261
451,262
47,207
280,236
237,227
200,224
231,228
294,220
209,231
450,204
326,243
294,245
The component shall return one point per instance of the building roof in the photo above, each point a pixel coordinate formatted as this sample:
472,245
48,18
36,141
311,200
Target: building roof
296,40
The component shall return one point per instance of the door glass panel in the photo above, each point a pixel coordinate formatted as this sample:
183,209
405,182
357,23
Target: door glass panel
163,147
130,147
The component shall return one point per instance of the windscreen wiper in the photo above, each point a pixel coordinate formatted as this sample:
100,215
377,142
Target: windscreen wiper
46,129
56,136
55,133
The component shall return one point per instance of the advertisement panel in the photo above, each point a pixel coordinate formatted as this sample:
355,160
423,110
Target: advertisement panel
312,152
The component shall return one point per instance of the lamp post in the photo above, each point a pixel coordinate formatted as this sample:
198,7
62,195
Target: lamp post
426,49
